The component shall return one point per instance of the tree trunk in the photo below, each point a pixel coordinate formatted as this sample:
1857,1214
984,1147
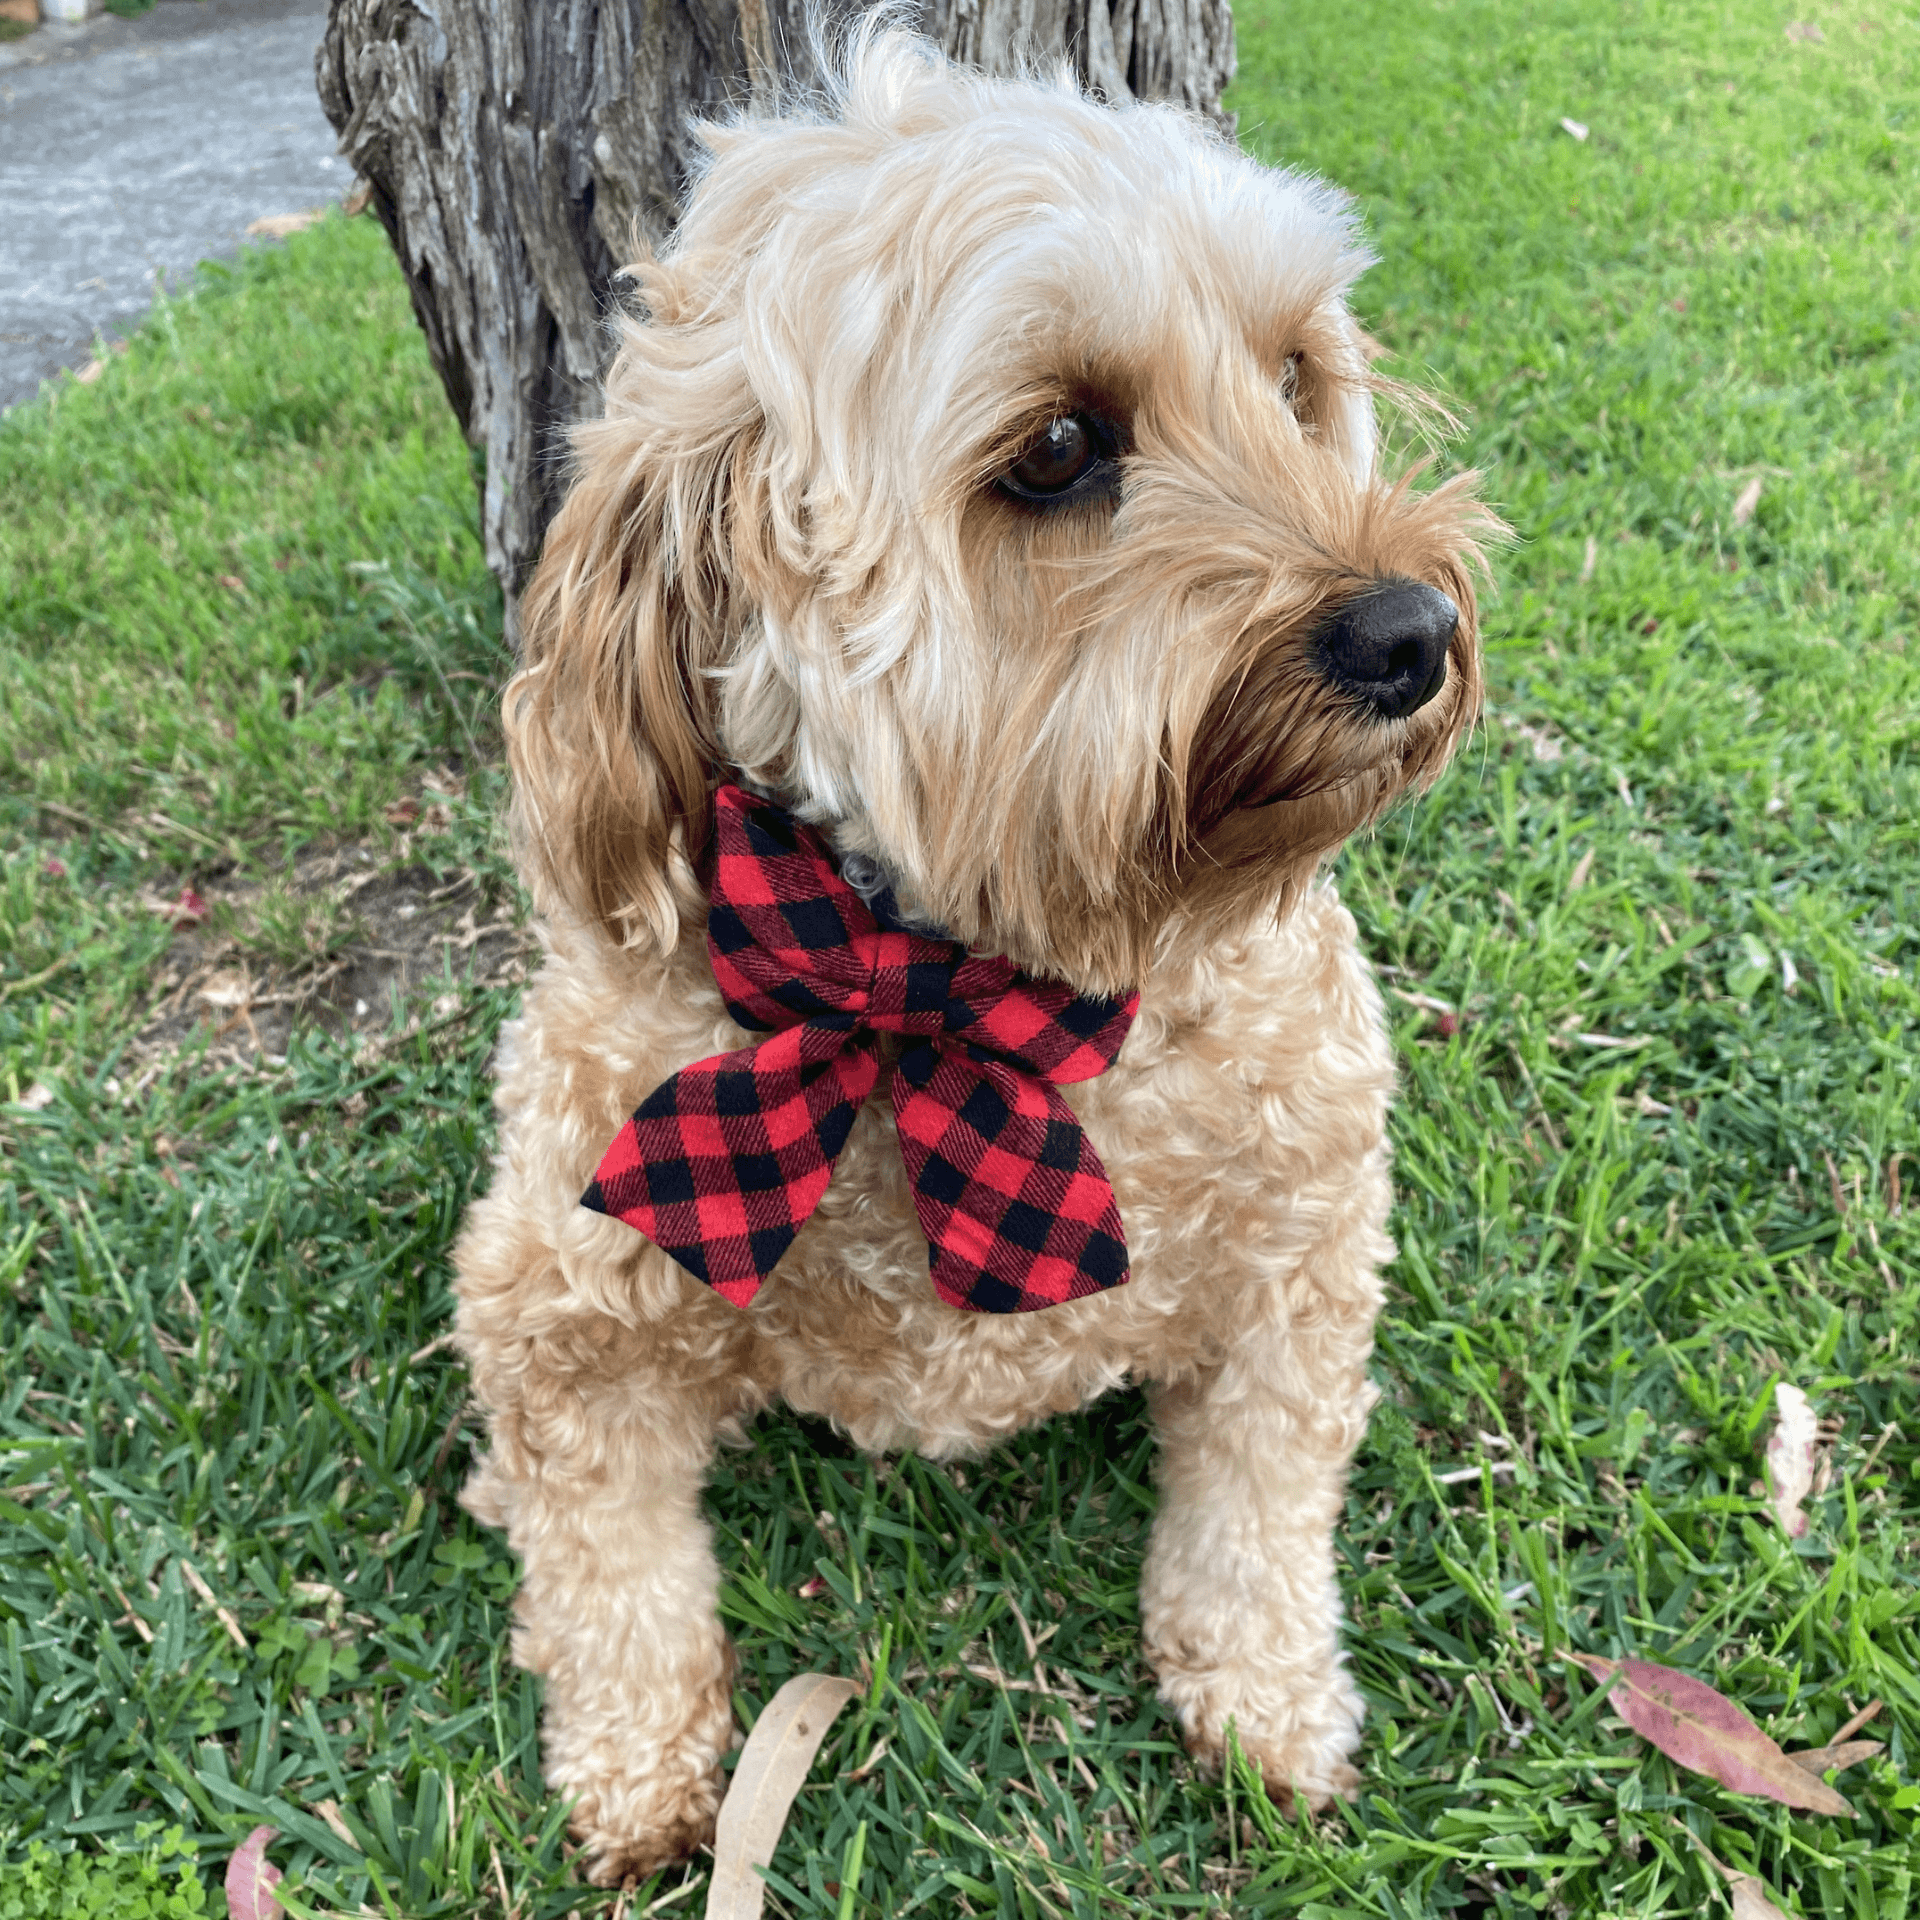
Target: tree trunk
510,146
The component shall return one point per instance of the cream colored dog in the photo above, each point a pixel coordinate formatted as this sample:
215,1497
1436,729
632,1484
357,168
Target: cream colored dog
993,480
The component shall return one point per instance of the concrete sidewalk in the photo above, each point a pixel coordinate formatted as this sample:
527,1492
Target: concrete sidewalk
132,149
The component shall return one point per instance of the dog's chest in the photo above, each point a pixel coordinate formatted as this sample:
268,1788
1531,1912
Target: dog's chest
1247,1072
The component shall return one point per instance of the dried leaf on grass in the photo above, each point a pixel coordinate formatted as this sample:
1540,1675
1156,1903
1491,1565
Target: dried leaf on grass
1547,746
276,226
1748,500
1751,1899
329,1811
251,1878
1842,1750
1844,1753
228,990
772,1768
1705,1732
1790,1458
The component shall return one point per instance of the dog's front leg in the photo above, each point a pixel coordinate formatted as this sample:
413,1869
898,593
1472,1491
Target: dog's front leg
1239,1603
597,1482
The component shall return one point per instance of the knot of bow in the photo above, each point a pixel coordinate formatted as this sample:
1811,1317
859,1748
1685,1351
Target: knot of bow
725,1161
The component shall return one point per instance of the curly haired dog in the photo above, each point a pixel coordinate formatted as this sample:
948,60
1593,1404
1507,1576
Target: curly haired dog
992,482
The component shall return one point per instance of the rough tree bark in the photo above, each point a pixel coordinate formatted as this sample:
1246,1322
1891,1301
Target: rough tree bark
509,147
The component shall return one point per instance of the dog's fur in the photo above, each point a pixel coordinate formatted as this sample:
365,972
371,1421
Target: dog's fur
1097,741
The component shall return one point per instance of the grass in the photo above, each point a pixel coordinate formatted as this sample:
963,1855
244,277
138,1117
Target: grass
1671,895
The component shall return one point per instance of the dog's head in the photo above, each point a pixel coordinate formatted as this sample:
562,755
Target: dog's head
993,478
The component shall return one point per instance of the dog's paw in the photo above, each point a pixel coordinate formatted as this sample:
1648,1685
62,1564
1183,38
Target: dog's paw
618,1846
1293,1767
1298,1732
645,1794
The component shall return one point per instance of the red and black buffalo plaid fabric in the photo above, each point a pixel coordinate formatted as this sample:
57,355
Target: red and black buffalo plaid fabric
725,1162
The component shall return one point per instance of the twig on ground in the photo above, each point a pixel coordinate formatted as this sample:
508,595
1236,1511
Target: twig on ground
1539,1105
39,979
205,1592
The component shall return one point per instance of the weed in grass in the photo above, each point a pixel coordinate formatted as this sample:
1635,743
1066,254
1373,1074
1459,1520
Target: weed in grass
289,928
153,1880
1659,1150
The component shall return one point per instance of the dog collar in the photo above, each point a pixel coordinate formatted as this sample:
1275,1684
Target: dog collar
725,1161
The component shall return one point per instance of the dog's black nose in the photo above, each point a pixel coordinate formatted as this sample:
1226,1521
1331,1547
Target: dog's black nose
1388,646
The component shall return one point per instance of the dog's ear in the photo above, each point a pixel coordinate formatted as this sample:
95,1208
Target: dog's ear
640,595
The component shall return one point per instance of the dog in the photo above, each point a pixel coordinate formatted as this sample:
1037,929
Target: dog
988,513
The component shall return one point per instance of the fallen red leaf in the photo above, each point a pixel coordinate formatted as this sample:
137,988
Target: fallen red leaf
185,909
188,910
403,813
54,867
251,1878
1705,1732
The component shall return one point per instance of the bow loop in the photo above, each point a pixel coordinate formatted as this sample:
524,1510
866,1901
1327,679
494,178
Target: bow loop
788,938
726,1160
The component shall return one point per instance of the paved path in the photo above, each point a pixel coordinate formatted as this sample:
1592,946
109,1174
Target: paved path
135,148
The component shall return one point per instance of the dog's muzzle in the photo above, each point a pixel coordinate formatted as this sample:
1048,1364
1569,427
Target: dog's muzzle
1388,646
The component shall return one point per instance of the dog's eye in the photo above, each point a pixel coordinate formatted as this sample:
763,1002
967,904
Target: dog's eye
1292,386
1075,448
1057,459
1301,392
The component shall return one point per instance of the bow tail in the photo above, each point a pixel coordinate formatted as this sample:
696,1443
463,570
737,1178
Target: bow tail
725,1161
1017,1208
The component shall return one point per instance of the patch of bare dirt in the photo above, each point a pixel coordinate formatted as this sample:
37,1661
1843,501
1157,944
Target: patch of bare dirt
348,940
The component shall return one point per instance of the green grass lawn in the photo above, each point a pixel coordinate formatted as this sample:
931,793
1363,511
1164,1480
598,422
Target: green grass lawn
1672,890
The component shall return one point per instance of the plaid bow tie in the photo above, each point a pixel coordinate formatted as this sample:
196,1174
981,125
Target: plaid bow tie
725,1162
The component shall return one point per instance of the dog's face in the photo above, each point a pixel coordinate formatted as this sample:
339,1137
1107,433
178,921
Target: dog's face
993,478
